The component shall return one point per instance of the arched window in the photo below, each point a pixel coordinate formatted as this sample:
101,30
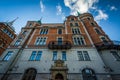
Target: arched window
88,74
97,31
29,74
104,40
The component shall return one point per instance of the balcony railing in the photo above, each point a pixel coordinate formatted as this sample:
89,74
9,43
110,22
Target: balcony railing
59,45
108,45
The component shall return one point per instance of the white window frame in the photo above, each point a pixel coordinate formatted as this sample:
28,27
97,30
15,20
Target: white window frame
41,41
79,37
37,55
82,56
43,31
8,56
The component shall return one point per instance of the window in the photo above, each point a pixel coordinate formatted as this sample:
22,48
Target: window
30,25
59,31
78,41
8,55
5,30
80,56
35,56
83,56
72,19
64,55
88,74
76,24
44,31
29,74
24,33
116,55
104,40
54,55
18,42
88,18
86,56
71,24
75,31
97,31
93,24
41,41
59,41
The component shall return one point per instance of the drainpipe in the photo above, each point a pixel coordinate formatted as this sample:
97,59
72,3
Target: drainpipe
6,75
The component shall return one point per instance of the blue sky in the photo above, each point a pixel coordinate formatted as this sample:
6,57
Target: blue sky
105,12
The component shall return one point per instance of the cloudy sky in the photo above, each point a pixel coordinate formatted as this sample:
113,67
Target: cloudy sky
105,12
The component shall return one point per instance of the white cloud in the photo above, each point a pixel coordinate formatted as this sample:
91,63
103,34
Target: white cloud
80,5
42,6
113,8
59,9
101,16
60,12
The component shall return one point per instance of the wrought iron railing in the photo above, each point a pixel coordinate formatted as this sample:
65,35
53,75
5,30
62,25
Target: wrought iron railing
108,45
59,45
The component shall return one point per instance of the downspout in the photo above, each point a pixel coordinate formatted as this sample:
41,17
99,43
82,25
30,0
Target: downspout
6,75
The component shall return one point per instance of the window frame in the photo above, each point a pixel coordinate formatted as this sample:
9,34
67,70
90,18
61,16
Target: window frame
43,31
54,58
82,56
116,55
41,41
59,31
64,56
35,56
79,40
8,56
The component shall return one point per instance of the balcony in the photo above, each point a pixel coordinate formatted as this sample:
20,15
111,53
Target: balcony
108,45
59,45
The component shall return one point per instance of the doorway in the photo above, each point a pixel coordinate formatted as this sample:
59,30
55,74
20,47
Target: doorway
59,77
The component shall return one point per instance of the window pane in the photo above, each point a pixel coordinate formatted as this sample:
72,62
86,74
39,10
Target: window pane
59,31
86,56
17,43
76,24
75,41
98,32
64,55
71,24
37,42
8,55
82,41
54,55
41,41
38,57
80,56
32,57
44,41
59,41
116,55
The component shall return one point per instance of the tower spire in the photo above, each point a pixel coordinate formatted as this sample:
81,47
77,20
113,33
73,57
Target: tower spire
11,22
39,21
78,13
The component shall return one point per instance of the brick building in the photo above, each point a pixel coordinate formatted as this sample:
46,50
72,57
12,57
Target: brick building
77,49
7,35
